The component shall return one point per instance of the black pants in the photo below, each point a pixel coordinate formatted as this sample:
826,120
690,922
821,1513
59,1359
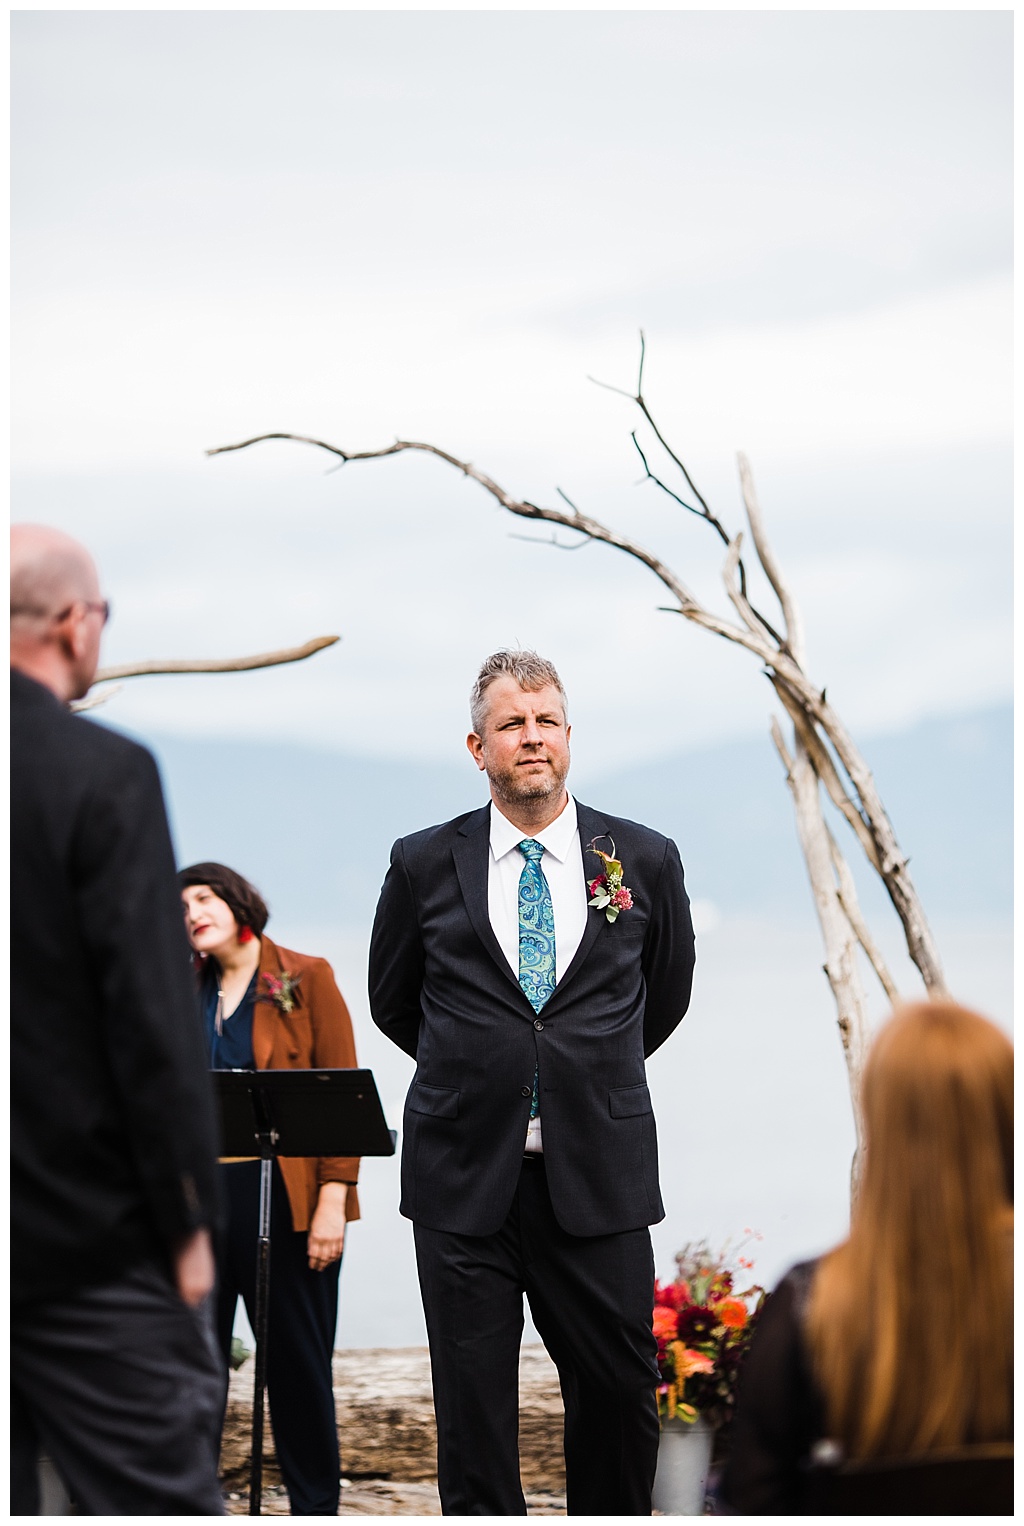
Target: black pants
120,1384
301,1322
591,1301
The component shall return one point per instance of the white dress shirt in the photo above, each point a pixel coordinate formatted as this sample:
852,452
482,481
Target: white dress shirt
563,869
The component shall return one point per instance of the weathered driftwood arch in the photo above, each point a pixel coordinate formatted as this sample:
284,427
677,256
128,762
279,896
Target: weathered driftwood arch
820,751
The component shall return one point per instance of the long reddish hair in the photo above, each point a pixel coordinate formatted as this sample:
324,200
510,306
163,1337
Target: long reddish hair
910,1320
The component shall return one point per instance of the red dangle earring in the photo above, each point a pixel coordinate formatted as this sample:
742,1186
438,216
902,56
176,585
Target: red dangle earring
245,935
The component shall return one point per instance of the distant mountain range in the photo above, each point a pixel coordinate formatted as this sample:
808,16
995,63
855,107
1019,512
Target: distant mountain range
313,828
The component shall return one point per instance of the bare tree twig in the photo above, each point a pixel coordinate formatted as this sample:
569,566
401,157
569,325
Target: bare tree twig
216,664
92,700
540,540
652,477
609,388
664,485
638,398
715,523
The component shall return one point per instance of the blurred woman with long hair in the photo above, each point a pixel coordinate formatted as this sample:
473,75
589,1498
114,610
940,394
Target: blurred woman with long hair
898,1342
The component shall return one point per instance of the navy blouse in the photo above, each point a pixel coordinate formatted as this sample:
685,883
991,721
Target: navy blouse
231,1049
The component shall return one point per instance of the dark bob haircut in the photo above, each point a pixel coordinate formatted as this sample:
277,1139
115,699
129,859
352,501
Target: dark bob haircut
247,905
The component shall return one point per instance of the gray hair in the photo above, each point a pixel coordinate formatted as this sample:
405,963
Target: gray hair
530,671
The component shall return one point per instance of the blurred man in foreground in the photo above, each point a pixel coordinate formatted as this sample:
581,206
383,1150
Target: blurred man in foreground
115,1374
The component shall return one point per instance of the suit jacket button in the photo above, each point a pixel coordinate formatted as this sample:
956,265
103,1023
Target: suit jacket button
538,1024
526,1091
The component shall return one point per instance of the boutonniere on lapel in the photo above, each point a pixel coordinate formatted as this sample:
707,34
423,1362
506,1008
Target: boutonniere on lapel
607,891
280,990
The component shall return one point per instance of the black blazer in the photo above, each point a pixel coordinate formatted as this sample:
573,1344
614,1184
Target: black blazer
441,988
112,1126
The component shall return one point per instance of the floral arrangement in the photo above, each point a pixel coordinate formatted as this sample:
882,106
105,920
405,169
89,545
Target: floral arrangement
280,990
607,890
704,1326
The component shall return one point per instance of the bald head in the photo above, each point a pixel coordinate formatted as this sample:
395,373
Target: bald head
49,571
53,575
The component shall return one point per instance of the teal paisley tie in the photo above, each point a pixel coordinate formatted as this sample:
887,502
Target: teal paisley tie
536,936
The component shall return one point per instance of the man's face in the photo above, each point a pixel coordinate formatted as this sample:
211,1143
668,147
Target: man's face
524,748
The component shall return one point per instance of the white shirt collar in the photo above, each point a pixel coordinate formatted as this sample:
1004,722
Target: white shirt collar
556,838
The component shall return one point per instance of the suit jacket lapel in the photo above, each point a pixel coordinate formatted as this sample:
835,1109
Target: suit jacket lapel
590,825
471,852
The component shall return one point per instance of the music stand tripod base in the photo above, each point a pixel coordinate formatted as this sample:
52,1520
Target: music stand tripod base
291,1113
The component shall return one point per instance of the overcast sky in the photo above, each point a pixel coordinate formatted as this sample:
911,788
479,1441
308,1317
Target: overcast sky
436,225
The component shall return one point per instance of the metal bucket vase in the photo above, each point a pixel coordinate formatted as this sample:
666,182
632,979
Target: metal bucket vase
684,1460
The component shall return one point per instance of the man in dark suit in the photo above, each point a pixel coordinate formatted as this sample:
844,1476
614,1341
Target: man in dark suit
529,1159
115,1373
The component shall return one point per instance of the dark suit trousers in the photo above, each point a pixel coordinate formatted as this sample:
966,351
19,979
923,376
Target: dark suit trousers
120,1385
591,1300
301,1324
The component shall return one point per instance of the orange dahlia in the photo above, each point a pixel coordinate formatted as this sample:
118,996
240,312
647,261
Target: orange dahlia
732,1312
664,1324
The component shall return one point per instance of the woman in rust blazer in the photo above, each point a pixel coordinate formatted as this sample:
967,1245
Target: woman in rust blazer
269,1008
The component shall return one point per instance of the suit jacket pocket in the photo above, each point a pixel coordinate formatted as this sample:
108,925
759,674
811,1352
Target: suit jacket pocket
436,1101
628,1101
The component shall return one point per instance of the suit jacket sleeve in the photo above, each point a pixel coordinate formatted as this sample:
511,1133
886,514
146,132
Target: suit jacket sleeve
397,958
130,913
668,954
334,1048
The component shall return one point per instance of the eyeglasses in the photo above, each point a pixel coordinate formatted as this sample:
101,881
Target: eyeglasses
103,607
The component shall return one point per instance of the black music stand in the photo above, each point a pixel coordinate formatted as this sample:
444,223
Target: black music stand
291,1112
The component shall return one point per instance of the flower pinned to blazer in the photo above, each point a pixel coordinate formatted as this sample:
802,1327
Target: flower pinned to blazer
280,990
607,891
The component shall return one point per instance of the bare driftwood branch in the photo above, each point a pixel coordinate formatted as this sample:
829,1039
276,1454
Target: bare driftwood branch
847,894
702,513
216,664
844,887
794,641
746,611
837,929
584,523
826,770
91,700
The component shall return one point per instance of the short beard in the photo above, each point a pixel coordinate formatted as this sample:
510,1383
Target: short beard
509,786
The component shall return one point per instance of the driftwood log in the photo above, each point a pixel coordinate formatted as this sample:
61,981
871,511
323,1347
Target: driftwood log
386,1420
